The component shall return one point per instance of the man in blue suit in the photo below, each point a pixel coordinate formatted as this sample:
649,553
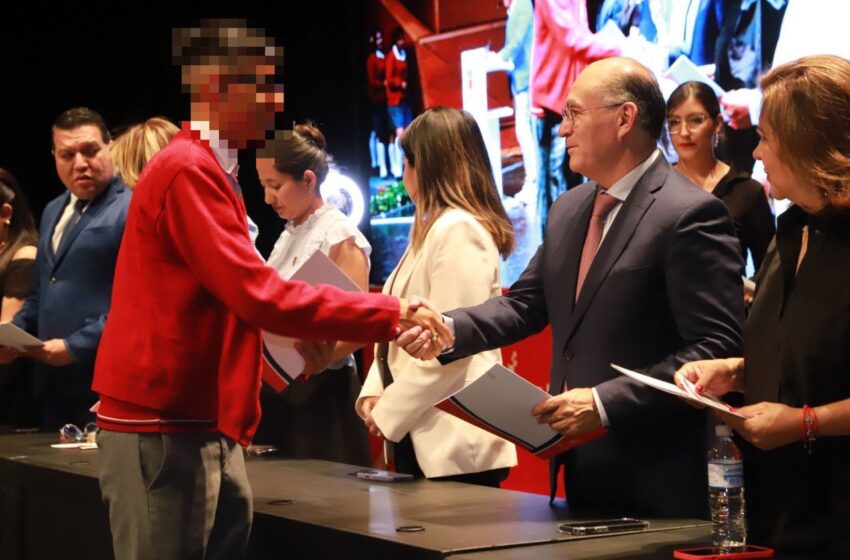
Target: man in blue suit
78,244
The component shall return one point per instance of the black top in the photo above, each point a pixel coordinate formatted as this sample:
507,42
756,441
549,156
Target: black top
747,202
16,279
797,351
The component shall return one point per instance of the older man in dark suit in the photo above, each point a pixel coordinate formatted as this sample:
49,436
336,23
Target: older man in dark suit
77,248
639,268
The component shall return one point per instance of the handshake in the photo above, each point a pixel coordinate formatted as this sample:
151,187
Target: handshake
421,332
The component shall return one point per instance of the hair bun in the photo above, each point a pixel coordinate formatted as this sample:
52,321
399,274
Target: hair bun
311,134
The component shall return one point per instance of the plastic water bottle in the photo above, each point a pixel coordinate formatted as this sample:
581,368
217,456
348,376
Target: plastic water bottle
726,490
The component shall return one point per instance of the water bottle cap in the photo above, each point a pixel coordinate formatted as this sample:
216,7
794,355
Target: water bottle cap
722,430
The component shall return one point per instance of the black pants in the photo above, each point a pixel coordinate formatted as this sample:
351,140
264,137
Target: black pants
405,461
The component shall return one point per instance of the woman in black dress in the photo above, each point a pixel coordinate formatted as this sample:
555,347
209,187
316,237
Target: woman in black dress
693,122
795,372
17,260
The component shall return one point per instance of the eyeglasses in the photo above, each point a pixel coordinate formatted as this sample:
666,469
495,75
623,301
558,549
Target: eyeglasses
70,433
691,122
569,113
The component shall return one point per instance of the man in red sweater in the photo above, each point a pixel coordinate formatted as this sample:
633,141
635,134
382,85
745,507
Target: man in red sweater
178,370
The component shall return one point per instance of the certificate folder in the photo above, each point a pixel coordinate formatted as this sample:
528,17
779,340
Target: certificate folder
281,362
17,338
500,402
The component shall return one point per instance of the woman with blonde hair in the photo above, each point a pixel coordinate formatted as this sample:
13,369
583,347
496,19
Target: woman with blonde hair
795,371
459,231
137,145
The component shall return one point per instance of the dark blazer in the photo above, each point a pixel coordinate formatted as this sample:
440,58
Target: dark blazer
664,289
71,289
797,351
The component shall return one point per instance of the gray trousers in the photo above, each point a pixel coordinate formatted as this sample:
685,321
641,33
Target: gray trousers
175,496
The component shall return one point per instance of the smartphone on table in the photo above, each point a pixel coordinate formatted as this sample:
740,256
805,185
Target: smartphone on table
600,526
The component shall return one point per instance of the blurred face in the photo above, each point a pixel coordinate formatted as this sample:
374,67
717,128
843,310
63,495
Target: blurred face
589,127
243,100
411,183
783,183
292,199
692,129
82,160
379,40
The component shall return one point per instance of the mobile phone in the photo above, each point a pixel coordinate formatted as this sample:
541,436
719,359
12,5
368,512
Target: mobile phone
723,553
383,476
599,526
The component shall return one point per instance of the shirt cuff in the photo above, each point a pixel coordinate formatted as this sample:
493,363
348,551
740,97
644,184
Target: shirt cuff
600,408
450,324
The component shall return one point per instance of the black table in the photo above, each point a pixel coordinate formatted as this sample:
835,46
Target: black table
50,507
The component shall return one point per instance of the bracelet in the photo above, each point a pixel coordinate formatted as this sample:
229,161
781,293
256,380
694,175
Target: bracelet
810,427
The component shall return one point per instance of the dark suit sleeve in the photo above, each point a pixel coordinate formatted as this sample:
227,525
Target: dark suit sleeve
705,296
502,320
27,317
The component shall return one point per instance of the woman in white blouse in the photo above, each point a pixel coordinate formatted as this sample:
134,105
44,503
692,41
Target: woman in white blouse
312,419
459,231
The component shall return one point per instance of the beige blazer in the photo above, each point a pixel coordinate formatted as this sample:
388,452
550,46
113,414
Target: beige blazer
457,266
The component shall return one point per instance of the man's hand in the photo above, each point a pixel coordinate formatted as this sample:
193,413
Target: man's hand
418,313
316,354
53,352
572,413
364,409
8,355
768,425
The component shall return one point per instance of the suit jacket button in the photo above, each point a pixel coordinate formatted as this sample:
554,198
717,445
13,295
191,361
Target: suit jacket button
52,279
568,355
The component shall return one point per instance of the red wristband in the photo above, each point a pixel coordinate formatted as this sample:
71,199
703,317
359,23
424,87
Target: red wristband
810,427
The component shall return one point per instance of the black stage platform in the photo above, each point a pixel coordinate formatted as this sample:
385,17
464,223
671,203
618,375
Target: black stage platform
50,508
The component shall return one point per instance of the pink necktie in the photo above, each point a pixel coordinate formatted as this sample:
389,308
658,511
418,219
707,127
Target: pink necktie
602,206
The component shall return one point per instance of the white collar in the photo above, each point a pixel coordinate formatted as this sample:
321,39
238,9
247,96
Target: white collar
401,55
228,158
622,188
380,54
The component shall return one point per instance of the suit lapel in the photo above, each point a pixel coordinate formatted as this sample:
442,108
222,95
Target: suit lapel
618,237
53,221
95,207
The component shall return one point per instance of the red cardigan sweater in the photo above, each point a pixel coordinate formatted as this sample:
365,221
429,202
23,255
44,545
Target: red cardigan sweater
181,346
376,70
395,76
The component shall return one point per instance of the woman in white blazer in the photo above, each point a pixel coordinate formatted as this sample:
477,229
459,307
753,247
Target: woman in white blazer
452,259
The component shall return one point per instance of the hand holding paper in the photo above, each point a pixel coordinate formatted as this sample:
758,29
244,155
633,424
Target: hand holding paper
712,377
571,413
17,338
679,392
501,402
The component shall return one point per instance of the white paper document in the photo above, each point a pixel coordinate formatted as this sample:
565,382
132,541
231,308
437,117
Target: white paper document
283,363
684,70
17,338
500,402
689,394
